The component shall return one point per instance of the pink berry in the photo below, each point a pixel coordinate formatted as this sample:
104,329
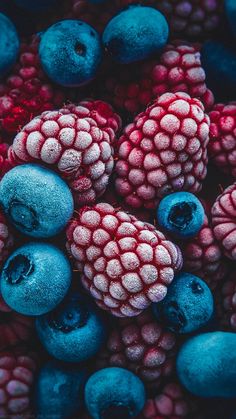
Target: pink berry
6,238
227,300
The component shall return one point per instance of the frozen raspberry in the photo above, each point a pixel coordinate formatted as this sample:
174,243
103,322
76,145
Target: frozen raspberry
224,221
76,147
125,264
228,300
6,238
14,328
142,345
164,150
178,69
26,92
17,371
5,164
203,256
222,144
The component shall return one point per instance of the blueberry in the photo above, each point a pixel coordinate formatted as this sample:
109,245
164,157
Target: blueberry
135,34
181,214
206,365
188,305
230,11
114,393
36,5
35,278
59,390
70,52
37,201
9,44
74,331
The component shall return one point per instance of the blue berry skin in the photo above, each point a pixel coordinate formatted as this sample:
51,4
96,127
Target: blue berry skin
74,331
36,5
36,200
219,63
70,52
59,390
230,11
135,34
9,44
181,214
35,278
114,393
188,305
206,365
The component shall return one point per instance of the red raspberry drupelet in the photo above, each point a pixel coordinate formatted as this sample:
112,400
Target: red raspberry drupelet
125,264
224,221
222,144
76,147
178,69
6,238
26,91
142,345
164,150
5,164
17,370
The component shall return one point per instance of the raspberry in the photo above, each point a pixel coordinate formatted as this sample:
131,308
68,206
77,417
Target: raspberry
76,147
125,264
178,69
228,294
5,164
14,328
17,371
6,238
224,221
222,144
27,91
164,150
203,256
142,345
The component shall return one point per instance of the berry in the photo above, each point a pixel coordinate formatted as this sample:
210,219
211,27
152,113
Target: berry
75,43
164,150
74,331
230,11
188,305
142,345
34,209
114,393
181,214
35,278
26,92
125,264
9,45
135,34
76,147
5,164
6,238
222,144
228,300
224,222
17,370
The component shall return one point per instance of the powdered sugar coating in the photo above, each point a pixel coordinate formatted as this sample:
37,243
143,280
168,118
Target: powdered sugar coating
125,264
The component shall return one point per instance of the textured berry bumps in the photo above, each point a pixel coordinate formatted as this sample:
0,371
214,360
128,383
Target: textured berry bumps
6,238
164,150
125,264
224,221
142,345
222,144
228,298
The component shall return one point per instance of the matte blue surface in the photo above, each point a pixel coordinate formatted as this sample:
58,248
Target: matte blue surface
181,214
135,34
70,52
74,331
37,201
36,5
35,278
230,11
9,44
188,305
206,365
114,393
59,390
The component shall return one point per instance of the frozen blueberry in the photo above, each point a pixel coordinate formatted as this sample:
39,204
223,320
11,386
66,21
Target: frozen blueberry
206,365
135,34
37,201
74,331
35,278
181,214
37,5
230,11
188,305
59,390
70,52
114,393
9,44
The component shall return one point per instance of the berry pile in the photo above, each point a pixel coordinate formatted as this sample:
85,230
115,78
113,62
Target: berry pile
117,209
